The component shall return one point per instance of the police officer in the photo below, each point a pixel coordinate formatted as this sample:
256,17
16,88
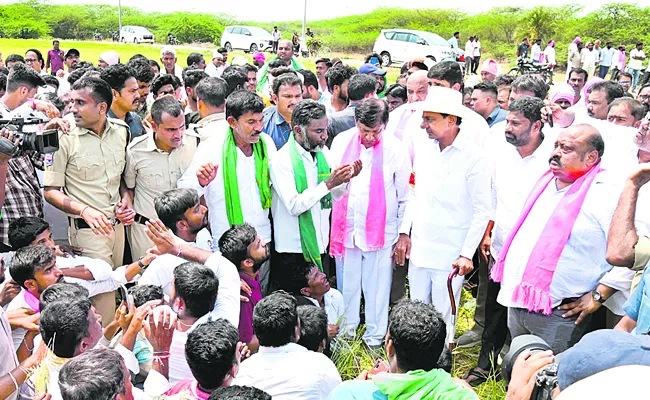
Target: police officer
88,167
154,162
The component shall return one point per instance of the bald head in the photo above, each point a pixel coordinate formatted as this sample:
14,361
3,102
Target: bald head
577,150
285,50
417,86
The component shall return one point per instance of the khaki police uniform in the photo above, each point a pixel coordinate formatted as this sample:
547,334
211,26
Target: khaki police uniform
150,172
89,168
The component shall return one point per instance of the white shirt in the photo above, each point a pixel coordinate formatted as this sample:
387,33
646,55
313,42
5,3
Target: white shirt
535,52
288,204
276,35
477,48
178,71
469,49
334,306
589,58
550,54
513,178
161,273
106,280
582,263
211,70
453,42
449,207
8,360
396,172
636,64
289,372
64,85
249,193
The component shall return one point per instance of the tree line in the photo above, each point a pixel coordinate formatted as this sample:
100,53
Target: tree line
500,29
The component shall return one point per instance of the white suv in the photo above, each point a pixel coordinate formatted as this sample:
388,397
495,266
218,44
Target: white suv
135,34
400,45
247,38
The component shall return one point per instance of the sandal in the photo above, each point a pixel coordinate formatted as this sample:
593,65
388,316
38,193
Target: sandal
475,376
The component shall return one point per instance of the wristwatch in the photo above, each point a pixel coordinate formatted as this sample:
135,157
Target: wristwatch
141,264
595,294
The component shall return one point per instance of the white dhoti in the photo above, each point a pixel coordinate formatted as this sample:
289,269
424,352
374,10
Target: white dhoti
430,286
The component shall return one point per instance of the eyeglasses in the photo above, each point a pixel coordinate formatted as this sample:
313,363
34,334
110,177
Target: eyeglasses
30,60
165,92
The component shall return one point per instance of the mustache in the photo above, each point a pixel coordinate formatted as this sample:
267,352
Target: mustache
556,159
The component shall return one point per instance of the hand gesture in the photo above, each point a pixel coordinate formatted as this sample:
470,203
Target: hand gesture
246,289
47,108
97,221
340,175
357,165
160,329
585,305
8,292
206,173
485,245
162,239
464,264
242,352
524,374
23,318
124,211
641,176
59,124
402,250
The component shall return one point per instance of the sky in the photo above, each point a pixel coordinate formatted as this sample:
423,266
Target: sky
259,10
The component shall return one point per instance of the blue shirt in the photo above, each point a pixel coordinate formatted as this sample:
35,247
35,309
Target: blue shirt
637,306
606,56
498,115
354,389
276,126
133,121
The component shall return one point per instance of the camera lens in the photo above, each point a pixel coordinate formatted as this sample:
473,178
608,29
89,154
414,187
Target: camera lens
520,344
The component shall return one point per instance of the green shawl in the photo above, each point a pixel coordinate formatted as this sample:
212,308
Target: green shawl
422,385
263,77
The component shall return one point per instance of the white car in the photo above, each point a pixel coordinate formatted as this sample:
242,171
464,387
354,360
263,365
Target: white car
247,38
401,45
136,34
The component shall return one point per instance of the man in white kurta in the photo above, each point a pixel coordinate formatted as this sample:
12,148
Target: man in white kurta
449,208
363,268
245,121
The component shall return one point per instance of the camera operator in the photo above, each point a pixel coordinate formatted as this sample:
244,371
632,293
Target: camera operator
22,189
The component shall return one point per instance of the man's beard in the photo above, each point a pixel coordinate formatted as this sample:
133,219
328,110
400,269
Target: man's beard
343,97
257,262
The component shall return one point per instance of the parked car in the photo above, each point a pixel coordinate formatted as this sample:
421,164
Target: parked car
247,38
136,34
400,45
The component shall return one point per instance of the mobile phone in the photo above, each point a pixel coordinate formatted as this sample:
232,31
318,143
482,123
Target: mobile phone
125,296
380,366
374,61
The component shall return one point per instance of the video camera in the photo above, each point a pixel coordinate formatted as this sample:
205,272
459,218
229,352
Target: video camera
28,130
546,379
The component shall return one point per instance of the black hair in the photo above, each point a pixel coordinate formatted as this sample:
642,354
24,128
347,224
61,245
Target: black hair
456,33
612,90
306,111
504,80
445,362
487,88
141,69
360,85
236,78
79,73
193,77
249,68
277,64
234,243
29,260
297,279
49,80
327,62
624,74
275,319
117,75
164,80
138,57
375,55
154,63
4,70
275,72
95,374
13,58
39,56
285,80
372,112
197,285
84,64
222,50
309,78
242,102
165,105
145,293
530,83
212,91
100,91
172,204
194,58
448,71
23,75
211,351
64,324
24,230
239,393
397,90
313,327
578,71
63,291
530,107
637,109
338,74
418,333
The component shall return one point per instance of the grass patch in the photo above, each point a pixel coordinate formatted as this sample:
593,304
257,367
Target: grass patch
352,356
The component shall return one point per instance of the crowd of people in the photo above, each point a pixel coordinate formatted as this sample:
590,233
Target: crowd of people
219,231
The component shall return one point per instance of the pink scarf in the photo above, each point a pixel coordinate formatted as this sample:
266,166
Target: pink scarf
376,215
32,301
533,290
188,387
